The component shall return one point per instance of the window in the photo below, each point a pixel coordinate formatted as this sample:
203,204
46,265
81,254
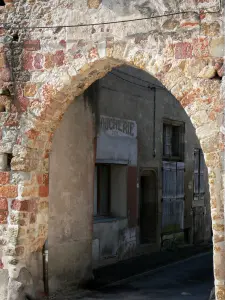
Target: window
199,187
110,190
173,136
102,190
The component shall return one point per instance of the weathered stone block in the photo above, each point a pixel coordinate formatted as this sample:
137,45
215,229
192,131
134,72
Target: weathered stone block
24,205
183,50
9,191
43,179
59,58
210,29
3,217
217,47
38,61
18,218
30,90
201,47
207,72
94,3
28,60
32,45
49,61
28,191
4,177
3,203
43,191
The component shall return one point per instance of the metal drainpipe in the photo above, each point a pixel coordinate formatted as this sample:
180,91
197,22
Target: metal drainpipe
45,267
154,121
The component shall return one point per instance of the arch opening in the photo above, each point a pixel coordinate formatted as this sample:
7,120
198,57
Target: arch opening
111,138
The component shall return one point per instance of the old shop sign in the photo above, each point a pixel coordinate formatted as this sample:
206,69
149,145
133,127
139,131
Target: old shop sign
118,127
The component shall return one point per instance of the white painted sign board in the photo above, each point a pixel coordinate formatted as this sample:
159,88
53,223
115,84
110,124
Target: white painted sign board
118,127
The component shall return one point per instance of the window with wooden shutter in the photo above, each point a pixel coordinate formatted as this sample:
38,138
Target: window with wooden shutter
173,140
199,169
173,197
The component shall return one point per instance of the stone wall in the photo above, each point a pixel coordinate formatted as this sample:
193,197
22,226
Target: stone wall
51,52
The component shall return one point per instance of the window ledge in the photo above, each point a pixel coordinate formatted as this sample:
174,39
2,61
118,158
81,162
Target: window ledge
107,219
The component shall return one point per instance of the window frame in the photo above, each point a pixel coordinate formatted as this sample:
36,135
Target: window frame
181,147
108,214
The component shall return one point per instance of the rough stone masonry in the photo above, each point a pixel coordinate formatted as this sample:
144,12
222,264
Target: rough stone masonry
50,52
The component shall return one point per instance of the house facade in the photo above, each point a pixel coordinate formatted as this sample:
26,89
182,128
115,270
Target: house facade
151,181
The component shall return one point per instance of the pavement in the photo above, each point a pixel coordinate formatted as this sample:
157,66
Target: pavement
190,279
184,273
143,263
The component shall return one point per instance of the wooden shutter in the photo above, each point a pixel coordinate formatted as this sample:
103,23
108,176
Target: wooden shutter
201,173
169,196
196,171
180,181
180,195
173,196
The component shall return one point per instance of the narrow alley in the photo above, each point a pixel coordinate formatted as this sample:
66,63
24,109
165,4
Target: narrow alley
191,279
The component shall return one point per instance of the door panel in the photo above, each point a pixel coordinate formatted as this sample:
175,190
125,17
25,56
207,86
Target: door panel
173,197
199,224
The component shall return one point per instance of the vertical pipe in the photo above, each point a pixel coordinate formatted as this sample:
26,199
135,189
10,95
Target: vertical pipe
45,267
154,121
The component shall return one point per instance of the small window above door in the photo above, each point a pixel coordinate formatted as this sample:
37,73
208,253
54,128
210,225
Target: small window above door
173,140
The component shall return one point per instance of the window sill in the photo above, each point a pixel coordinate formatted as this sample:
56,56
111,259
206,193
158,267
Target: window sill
107,219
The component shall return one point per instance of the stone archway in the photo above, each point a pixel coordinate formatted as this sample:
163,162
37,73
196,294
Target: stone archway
200,98
185,54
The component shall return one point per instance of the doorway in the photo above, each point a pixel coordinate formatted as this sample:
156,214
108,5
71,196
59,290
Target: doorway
199,224
148,207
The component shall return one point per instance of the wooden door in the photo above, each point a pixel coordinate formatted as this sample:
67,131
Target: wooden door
173,197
